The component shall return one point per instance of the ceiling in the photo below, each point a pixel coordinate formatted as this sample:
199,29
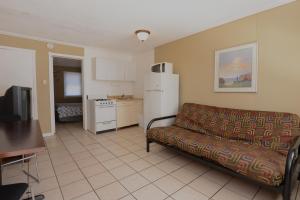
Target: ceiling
111,23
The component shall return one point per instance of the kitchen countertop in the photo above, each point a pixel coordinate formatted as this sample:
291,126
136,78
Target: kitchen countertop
131,99
125,98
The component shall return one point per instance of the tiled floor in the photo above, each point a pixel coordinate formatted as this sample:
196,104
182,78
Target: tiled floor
82,166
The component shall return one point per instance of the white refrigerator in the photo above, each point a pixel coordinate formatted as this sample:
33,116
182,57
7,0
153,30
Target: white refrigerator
161,97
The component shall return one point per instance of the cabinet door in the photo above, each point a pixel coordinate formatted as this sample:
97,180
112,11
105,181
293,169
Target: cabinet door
123,116
127,114
134,115
139,104
119,71
108,69
130,71
104,68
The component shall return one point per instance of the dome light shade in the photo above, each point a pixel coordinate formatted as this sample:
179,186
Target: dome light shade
142,35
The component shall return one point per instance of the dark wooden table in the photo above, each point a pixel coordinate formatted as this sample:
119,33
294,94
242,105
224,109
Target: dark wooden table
20,138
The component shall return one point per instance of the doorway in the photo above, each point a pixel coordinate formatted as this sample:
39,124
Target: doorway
66,89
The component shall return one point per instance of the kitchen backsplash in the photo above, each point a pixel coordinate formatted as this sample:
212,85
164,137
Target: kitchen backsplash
120,88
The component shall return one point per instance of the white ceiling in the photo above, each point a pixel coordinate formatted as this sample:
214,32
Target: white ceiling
111,23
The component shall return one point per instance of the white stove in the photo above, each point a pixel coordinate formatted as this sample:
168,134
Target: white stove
102,115
105,102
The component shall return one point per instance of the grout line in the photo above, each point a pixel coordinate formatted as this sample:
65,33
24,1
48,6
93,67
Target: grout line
117,180
54,172
86,178
103,172
167,173
259,188
137,172
71,170
113,138
231,178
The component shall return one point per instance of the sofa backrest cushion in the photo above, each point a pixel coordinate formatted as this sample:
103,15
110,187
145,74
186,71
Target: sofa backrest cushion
274,130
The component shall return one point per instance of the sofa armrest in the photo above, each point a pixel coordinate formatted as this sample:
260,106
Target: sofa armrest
293,153
158,119
291,163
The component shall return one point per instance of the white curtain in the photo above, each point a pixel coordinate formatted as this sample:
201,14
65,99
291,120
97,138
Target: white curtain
72,84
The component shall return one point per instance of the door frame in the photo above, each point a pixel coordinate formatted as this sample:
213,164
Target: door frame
51,86
34,102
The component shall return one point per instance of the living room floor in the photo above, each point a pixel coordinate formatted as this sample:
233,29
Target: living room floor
115,165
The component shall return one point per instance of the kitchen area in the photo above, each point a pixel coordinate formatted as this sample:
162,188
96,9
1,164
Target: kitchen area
119,89
114,112
116,107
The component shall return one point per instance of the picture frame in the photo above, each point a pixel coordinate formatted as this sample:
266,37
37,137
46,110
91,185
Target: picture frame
236,69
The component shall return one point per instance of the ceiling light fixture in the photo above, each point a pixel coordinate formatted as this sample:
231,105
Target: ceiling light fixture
142,34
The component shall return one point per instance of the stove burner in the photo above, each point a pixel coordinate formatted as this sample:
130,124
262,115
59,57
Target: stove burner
105,101
102,100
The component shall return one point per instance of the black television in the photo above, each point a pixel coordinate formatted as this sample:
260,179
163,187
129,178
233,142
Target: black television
16,104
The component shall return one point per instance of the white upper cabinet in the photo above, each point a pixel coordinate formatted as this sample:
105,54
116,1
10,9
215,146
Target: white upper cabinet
118,73
114,70
130,72
103,69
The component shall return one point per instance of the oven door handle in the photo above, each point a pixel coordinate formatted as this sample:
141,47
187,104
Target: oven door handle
106,106
107,122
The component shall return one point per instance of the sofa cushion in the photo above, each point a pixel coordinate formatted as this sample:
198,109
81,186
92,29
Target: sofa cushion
272,130
251,160
165,134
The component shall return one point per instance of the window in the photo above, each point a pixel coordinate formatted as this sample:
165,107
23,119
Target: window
72,84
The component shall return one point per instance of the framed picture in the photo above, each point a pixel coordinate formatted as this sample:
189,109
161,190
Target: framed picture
236,69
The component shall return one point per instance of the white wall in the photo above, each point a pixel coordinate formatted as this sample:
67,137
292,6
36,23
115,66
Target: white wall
143,62
17,67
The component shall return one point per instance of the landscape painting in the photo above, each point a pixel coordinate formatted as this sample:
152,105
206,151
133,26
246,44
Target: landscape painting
236,69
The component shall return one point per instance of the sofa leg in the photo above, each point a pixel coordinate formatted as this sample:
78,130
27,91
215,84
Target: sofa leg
286,195
148,145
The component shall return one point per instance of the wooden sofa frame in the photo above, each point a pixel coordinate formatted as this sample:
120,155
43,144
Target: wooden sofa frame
291,168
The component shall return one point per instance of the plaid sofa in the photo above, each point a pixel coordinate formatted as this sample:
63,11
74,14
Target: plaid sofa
251,143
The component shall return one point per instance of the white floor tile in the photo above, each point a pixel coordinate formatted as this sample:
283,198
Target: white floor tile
116,164
134,182
149,192
169,184
190,194
113,191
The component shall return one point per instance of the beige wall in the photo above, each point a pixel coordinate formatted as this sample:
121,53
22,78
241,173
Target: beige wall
277,33
42,69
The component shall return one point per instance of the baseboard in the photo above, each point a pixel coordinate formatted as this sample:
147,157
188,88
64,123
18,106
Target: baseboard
48,134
